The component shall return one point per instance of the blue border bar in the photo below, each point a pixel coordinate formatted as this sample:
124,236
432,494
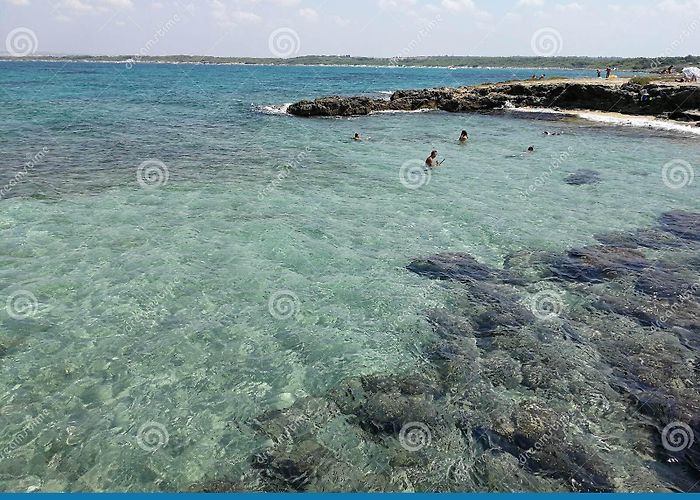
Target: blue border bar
346,496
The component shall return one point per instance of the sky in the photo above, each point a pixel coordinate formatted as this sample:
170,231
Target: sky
380,28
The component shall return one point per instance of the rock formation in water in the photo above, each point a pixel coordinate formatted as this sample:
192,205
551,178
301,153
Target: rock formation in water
560,372
673,100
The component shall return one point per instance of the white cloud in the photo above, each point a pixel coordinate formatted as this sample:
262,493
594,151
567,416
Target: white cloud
94,6
341,21
530,3
467,6
458,5
309,14
396,4
225,17
569,7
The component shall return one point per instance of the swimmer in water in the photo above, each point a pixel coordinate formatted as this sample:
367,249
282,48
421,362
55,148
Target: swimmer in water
432,161
464,137
357,137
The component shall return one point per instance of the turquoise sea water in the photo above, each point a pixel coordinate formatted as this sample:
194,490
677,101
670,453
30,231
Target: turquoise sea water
263,261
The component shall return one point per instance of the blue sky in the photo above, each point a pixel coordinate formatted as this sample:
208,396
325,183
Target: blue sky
388,28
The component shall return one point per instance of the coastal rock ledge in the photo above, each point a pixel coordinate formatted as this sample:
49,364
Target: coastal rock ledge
668,99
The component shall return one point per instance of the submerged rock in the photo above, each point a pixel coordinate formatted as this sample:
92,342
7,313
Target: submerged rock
583,176
383,404
626,306
683,224
293,468
598,263
648,238
459,267
667,284
540,439
220,486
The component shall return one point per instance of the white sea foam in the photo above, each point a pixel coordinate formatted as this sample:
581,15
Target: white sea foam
274,109
617,119
397,111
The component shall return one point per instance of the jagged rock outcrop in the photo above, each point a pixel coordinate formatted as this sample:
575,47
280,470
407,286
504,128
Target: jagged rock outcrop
620,96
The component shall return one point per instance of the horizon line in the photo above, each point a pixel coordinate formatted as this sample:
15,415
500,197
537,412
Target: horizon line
349,56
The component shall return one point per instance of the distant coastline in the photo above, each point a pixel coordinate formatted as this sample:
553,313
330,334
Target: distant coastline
639,64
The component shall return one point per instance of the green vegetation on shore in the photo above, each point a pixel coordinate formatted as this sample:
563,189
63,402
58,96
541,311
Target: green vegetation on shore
569,62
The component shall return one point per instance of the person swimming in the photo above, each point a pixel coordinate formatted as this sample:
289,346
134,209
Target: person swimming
464,137
357,137
432,161
531,149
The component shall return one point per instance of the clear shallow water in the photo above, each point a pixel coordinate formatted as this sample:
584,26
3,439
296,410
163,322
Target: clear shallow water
153,305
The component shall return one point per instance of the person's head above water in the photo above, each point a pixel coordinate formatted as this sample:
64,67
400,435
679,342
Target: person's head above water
433,153
357,136
531,149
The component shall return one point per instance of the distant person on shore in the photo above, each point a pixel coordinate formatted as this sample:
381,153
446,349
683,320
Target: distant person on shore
432,161
608,70
357,137
542,76
464,137
599,73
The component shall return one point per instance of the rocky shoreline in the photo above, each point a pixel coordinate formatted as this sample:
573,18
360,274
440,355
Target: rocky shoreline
667,99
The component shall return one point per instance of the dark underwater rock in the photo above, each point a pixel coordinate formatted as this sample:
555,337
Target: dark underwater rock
539,438
496,308
292,468
598,263
297,420
220,486
502,370
668,284
658,374
683,224
459,267
648,238
383,404
626,306
583,176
